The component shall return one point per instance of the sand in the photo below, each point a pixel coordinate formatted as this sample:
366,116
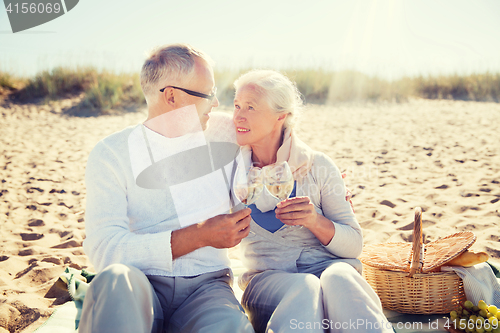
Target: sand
443,156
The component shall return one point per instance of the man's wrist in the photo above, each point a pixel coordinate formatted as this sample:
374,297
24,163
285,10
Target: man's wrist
200,237
186,240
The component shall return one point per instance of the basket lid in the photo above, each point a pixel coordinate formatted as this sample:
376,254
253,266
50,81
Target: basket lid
388,256
398,256
440,251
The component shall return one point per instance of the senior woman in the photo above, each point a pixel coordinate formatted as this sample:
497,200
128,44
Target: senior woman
303,276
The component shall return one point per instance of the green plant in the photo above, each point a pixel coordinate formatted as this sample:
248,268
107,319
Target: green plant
6,81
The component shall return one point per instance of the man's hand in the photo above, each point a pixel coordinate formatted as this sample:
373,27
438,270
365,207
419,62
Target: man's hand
225,231
221,231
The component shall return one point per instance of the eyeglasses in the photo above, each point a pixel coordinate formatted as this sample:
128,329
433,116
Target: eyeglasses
194,93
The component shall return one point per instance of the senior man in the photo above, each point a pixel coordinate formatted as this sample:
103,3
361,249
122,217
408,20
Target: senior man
157,217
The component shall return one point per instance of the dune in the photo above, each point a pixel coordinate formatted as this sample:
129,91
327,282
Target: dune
443,156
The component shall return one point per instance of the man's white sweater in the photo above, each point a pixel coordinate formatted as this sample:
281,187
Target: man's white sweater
132,225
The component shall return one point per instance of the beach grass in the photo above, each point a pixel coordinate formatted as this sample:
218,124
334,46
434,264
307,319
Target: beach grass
54,84
9,82
474,87
108,91
103,90
6,81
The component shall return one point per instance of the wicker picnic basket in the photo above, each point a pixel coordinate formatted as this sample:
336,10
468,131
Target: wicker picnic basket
407,277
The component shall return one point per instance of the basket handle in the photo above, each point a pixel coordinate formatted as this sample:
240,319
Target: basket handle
417,243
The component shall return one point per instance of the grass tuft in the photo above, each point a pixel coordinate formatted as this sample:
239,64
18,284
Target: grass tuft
6,81
474,87
109,90
102,90
54,84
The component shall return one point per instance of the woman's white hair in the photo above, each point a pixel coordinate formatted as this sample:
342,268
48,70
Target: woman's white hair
169,63
280,92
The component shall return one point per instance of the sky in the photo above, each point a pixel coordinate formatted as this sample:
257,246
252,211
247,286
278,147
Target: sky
387,38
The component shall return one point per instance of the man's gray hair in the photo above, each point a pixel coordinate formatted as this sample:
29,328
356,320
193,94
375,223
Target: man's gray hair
280,92
169,63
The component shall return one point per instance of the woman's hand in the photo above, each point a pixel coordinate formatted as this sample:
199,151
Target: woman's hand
297,211
300,211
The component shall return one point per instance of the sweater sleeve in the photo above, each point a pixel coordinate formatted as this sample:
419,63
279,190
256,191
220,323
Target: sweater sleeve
348,239
109,239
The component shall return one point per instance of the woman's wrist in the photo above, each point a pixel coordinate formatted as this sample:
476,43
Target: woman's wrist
323,229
